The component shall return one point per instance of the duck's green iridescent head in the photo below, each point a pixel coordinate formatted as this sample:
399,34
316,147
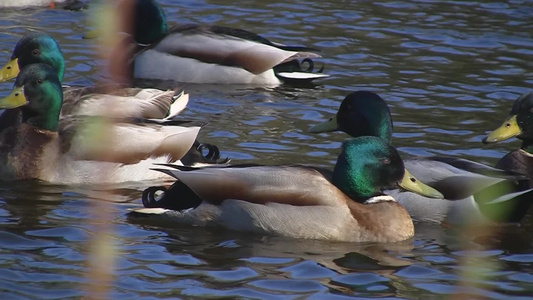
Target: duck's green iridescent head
519,123
368,165
361,113
39,95
34,48
150,23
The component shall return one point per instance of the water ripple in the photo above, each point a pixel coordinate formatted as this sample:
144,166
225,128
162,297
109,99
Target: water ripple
450,72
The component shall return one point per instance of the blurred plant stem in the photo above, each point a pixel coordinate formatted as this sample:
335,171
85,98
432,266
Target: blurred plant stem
102,252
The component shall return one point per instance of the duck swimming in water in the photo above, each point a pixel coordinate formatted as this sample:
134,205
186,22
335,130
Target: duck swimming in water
205,53
347,204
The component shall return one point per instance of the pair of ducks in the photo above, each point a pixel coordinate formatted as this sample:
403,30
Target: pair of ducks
60,135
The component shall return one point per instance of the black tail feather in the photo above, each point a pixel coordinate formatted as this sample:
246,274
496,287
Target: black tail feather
178,197
196,155
297,66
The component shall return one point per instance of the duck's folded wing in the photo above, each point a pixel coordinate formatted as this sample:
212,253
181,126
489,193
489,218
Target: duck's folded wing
475,167
125,103
463,186
430,171
219,47
98,139
260,184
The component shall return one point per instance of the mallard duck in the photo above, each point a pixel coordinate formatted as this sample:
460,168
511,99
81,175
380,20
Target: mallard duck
519,124
347,204
43,147
207,54
128,102
468,196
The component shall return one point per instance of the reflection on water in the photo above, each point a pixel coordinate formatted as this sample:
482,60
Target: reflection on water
449,71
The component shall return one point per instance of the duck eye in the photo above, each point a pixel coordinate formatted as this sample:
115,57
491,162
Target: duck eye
35,52
39,81
385,161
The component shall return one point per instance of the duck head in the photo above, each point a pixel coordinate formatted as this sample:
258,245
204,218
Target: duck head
34,48
39,95
368,165
519,124
146,21
361,113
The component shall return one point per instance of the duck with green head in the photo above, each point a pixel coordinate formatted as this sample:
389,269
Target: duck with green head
75,149
468,196
519,124
205,54
347,204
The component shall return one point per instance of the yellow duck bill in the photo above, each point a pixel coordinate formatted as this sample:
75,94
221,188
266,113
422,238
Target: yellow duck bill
10,70
410,183
507,130
330,125
15,99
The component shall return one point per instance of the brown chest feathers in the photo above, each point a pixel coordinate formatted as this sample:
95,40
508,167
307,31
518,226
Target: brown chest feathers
23,149
388,221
